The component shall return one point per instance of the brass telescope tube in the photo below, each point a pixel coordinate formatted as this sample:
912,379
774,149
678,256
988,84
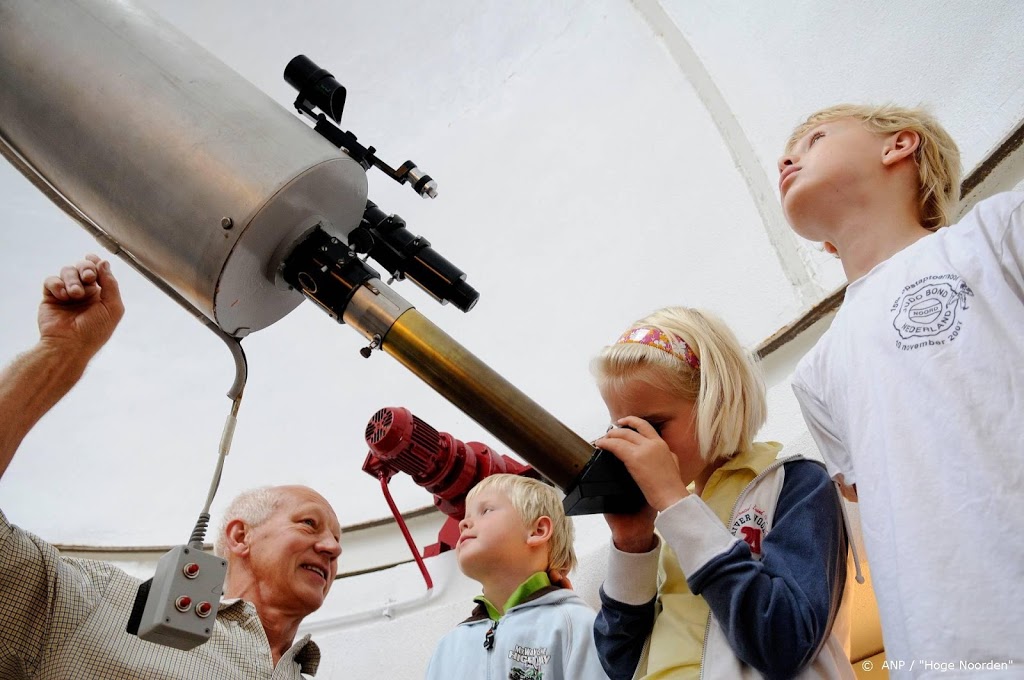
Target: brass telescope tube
524,426
332,275
594,480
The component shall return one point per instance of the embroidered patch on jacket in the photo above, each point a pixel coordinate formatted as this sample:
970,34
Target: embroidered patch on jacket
751,524
533,660
925,313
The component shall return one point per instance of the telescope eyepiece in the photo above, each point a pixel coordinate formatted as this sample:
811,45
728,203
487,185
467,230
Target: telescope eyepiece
317,87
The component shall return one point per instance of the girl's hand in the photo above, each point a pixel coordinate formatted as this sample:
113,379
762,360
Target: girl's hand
633,533
649,461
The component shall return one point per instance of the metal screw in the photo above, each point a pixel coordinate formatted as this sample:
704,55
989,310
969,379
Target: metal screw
227,223
374,344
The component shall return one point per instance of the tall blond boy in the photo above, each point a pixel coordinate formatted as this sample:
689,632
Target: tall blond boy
915,395
514,540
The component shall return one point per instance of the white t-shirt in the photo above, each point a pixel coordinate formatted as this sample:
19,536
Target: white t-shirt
916,395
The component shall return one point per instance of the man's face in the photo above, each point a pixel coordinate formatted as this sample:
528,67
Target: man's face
294,553
492,535
826,169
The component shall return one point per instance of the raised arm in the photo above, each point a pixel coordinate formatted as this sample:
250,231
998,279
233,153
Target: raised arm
78,313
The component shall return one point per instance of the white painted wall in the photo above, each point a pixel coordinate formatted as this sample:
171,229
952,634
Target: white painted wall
596,160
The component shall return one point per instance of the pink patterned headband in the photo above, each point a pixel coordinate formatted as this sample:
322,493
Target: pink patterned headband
652,337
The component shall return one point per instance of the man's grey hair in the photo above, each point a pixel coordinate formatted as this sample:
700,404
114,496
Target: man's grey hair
252,507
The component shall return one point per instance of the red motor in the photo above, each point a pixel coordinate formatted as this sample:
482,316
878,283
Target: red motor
437,461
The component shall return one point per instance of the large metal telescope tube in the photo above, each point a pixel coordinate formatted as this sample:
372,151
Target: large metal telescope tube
207,185
186,166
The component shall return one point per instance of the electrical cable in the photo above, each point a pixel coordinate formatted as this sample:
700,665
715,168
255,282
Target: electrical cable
405,530
199,533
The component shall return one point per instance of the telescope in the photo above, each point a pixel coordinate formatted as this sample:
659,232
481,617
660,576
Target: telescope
238,210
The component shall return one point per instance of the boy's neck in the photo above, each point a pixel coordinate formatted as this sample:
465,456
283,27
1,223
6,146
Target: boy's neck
499,588
867,238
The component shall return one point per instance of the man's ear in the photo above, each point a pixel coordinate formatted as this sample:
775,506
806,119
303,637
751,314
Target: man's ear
237,535
830,248
900,145
540,531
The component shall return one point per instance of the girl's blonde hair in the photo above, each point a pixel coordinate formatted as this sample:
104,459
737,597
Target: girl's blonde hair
937,155
534,499
726,387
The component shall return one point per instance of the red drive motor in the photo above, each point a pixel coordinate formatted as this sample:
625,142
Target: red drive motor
437,461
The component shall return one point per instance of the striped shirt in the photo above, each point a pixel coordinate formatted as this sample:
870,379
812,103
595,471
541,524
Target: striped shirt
63,618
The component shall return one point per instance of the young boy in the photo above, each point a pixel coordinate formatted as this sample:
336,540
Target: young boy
915,395
514,540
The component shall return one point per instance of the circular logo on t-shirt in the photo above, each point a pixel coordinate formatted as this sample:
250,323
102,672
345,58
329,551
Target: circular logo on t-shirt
927,309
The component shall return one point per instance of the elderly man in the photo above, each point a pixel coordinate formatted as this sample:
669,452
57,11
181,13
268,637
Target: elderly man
65,618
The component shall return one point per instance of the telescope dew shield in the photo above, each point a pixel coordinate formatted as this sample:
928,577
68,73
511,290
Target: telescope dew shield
184,164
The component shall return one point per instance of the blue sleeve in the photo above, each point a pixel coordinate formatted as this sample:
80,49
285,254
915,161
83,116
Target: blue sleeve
777,612
620,631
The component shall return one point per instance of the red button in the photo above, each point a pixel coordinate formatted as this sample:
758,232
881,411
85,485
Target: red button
183,603
203,609
191,570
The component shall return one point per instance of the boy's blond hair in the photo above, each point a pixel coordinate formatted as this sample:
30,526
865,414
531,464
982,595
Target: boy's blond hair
534,499
937,155
727,387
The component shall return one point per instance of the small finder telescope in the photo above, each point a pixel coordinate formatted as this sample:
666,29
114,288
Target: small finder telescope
317,87
319,90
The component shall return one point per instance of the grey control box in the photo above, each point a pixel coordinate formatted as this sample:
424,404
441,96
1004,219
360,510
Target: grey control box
178,606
